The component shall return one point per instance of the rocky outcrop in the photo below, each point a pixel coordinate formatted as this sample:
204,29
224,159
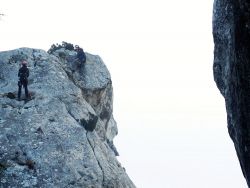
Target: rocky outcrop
63,136
231,31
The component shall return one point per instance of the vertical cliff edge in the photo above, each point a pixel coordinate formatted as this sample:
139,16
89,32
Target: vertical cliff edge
63,136
231,31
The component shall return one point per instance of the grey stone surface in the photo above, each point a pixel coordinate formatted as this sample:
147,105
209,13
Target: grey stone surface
44,141
231,31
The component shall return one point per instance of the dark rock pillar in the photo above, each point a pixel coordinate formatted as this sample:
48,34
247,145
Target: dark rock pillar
231,31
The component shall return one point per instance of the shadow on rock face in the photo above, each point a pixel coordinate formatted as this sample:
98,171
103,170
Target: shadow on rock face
89,124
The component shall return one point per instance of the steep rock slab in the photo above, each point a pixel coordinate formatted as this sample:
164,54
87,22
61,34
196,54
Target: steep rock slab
60,138
231,31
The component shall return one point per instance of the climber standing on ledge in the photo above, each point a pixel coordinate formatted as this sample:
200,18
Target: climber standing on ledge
23,75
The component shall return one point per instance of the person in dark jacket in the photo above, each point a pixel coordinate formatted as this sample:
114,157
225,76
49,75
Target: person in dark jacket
80,55
23,75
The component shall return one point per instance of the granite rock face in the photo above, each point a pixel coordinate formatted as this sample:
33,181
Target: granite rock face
63,136
231,31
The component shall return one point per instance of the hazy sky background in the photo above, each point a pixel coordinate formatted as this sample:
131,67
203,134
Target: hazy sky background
170,115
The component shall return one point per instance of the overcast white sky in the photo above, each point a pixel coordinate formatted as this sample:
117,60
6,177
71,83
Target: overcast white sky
170,115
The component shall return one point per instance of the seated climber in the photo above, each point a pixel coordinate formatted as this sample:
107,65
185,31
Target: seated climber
23,75
81,56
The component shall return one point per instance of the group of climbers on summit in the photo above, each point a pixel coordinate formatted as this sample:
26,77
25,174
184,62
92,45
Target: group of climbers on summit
23,72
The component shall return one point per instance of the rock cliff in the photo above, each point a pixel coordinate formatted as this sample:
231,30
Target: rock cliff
231,31
63,136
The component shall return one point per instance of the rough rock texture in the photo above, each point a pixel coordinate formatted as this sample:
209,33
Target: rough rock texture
231,31
63,136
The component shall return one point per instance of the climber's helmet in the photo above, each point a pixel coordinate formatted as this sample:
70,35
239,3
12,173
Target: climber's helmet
24,62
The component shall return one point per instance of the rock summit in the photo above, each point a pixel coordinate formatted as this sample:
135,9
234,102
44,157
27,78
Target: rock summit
63,135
